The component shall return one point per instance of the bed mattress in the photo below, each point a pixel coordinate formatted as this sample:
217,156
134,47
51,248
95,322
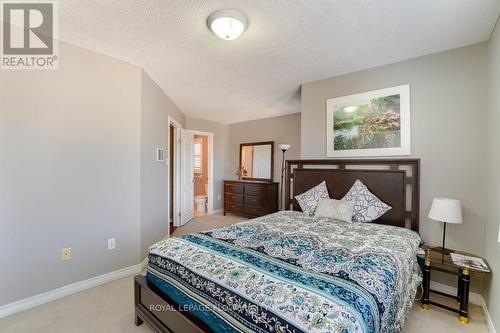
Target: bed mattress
287,272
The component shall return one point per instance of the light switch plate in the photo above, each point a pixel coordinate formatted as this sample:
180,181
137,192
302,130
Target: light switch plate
66,253
160,154
111,244
499,234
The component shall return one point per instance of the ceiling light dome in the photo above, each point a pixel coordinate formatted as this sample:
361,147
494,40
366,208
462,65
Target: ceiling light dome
227,24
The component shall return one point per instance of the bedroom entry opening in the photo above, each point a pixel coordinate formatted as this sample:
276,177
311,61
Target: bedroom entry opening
171,180
173,174
200,174
190,174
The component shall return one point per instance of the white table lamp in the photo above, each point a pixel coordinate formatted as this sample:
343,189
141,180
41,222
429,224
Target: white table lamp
446,211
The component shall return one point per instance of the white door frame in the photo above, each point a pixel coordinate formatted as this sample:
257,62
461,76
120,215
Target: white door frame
177,169
210,194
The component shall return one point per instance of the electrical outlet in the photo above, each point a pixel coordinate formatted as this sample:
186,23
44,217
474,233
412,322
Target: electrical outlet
111,244
66,253
218,197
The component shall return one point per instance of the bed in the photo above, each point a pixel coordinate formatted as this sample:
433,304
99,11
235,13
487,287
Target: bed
287,272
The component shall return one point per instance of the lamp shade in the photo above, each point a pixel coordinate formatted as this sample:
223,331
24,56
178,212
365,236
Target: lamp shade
446,210
284,147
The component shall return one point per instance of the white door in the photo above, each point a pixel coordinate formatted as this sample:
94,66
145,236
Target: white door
176,165
187,177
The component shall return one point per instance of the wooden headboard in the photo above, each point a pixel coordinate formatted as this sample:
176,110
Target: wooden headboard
394,181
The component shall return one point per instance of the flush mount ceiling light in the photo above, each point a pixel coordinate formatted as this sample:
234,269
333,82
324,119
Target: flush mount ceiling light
227,24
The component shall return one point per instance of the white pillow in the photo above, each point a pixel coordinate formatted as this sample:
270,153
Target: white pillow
367,207
309,199
335,209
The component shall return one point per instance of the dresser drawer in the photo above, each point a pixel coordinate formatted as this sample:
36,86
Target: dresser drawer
233,198
255,201
254,210
233,188
255,190
233,207
250,198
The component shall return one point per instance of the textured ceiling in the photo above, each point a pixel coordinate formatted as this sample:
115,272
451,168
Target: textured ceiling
288,42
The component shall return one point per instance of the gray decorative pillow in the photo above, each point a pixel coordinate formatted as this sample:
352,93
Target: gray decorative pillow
309,199
335,209
367,207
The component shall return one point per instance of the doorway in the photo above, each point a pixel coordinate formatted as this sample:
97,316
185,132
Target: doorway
174,170
200,174
196,175
171,179
183,204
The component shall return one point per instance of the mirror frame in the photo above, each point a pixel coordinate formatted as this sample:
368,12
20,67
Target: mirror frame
262,143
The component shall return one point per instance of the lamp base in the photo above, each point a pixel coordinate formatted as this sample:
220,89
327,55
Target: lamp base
443,250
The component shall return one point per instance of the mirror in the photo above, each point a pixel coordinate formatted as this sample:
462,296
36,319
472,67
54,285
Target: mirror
256,160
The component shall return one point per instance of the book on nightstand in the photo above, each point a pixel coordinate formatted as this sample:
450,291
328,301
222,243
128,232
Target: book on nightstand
468,261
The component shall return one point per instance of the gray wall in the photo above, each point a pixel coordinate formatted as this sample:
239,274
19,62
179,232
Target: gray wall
448,103
283,129
78,166
492,247
69,171
227,139
221,156
156,106
78,144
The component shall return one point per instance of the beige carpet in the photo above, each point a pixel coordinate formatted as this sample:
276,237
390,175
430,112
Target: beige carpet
207,222
110,308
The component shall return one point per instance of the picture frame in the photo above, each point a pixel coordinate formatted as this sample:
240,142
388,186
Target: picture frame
373,123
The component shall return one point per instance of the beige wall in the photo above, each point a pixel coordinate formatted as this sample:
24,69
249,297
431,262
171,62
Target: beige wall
283,129
448,118
69,169
77,167
492,247
78,145
221,140
227,139
156,106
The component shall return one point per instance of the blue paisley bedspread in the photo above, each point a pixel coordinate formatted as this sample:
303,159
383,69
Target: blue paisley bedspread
287,272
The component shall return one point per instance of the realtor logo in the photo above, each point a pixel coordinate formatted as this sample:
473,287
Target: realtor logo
29,35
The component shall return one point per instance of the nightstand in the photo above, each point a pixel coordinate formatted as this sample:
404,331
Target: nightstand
436,261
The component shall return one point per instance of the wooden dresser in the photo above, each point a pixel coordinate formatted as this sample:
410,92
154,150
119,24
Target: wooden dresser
250,197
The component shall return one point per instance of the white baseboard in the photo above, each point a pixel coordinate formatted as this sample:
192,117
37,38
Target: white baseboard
474,298
487,317
144,264
52,295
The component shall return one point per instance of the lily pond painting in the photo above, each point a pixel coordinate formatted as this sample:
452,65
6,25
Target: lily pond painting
375,123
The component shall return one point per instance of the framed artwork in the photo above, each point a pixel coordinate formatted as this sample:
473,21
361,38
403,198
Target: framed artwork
374,123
